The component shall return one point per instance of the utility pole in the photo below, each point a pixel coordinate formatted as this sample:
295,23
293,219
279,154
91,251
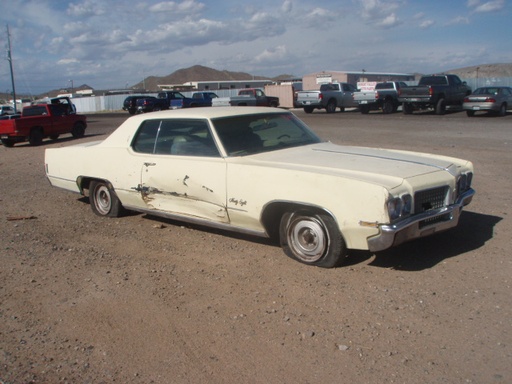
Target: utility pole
9,57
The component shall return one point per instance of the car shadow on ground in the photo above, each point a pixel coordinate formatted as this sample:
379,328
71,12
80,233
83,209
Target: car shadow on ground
473,231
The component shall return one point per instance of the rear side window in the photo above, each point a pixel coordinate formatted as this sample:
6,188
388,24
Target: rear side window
180,137
35,111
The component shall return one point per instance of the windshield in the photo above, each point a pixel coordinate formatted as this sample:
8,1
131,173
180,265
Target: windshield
249,134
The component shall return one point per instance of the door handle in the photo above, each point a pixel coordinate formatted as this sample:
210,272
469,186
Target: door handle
149,164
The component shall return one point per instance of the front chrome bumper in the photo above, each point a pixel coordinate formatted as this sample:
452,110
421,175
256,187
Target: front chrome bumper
421,225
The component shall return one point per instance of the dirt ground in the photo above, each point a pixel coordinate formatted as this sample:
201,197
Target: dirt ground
136,299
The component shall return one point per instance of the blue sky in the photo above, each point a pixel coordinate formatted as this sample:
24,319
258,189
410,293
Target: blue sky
115,44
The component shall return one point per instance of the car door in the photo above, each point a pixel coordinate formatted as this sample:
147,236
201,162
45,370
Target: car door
348,91
183,173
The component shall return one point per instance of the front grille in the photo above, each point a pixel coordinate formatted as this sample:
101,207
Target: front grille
434,220
430,199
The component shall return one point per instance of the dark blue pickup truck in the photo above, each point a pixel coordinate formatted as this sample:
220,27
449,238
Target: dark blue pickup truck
173,100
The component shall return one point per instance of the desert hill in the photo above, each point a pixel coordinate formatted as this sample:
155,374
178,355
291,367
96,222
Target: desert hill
484,70
198,73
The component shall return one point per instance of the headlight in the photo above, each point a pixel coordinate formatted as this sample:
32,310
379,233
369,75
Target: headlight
399,207
394,208
464,182
407,205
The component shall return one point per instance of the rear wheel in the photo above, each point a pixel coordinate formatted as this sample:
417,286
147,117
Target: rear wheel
8,143
387,107
103,199
331,106
407,108
36,136
470,113
78,130
312,238
364,109
308,109
54,136
440,107
503,110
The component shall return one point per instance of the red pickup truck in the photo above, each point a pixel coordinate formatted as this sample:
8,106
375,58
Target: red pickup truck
42,120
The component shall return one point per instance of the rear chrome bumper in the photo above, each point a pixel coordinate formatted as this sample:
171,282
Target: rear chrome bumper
421,225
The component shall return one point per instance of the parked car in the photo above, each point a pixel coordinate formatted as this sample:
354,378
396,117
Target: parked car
433,91
489,99
262,171
169,100
130,103
43,118
254,97
384,96
150,104
6,110
200,99
330,97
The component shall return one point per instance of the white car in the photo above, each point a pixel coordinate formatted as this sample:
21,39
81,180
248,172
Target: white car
262,171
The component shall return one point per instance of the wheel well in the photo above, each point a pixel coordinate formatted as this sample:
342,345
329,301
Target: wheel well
272,213
84,182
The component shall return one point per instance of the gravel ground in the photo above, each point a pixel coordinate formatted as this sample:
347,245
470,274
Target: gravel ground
85,299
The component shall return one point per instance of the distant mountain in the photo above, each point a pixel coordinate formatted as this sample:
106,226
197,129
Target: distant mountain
195,73
484,70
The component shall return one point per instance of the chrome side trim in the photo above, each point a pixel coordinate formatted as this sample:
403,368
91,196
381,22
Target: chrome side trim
199,221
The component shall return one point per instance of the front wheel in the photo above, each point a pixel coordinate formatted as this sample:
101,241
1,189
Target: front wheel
312,238
103,200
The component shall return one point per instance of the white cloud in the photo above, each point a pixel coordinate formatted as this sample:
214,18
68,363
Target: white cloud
87,8
488,6
67,61
268,55
427,24
380,13
187,6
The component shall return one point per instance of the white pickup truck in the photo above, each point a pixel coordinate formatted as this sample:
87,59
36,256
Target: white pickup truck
329,97
384,96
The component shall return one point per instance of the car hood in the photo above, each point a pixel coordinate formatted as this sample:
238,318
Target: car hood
380,166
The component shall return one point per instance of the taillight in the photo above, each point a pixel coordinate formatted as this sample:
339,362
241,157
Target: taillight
430,91
320,96
490,100
466,100
376,95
